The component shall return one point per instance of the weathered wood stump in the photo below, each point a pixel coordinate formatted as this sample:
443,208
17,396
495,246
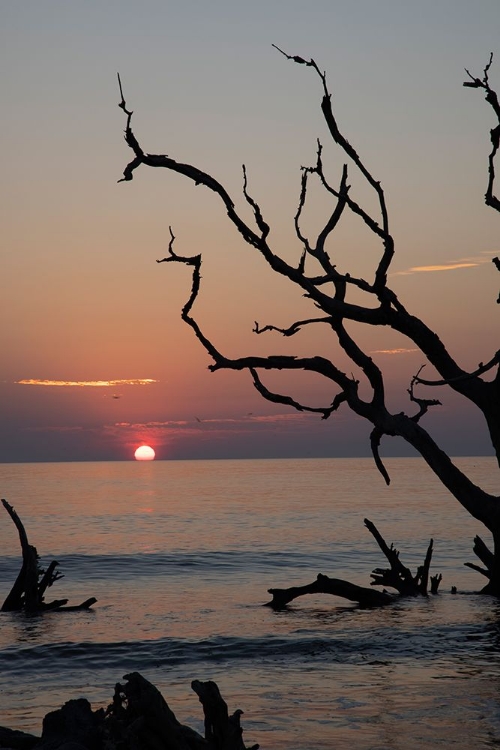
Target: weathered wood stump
28,592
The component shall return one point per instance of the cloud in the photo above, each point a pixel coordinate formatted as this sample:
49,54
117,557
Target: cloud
216,438
212,426
70,428
394,351
86,383
171,431
213,422
471,262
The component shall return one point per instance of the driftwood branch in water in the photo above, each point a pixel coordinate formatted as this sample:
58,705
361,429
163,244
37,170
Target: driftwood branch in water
398,577
336,587
27,593
138,718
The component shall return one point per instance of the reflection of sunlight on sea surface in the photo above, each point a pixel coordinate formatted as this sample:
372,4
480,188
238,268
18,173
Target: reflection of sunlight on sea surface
179,556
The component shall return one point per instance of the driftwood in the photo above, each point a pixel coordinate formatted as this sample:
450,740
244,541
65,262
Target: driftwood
138,718
28,592
335,586
397,576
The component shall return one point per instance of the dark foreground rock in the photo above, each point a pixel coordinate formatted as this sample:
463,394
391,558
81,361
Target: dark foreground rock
138,718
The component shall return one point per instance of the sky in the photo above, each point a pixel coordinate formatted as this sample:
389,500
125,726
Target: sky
95,359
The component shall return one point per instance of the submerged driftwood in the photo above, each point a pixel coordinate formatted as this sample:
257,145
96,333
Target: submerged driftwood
397,577
138,718
28,592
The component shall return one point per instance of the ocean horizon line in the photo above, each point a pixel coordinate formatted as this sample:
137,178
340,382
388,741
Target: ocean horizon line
235,458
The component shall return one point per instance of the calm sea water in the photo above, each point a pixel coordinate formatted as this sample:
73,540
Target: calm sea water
180,556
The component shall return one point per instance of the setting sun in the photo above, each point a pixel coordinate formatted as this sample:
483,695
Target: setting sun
144,453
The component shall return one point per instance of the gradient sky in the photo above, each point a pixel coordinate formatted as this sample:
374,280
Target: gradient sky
95,359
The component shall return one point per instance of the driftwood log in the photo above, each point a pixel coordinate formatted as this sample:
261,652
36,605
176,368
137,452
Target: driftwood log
397,577
138,718
28,592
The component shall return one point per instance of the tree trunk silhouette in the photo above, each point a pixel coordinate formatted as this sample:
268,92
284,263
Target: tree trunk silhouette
316,277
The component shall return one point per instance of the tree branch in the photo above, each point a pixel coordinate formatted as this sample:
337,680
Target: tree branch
375,438
293,329
492,99
383,231
481,369
422,403
277,398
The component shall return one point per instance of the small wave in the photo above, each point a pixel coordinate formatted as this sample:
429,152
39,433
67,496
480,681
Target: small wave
163,652
105,567
355,645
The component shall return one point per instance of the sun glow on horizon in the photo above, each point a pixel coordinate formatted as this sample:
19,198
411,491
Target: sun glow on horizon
144,453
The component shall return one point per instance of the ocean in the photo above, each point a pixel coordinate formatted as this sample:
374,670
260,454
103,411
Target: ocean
180,555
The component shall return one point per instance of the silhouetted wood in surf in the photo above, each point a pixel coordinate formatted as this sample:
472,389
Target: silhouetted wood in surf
397,577
28,592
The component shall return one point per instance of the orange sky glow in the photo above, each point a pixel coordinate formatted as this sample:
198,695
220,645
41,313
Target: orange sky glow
85,307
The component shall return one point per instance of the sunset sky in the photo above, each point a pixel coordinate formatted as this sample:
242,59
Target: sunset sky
94,357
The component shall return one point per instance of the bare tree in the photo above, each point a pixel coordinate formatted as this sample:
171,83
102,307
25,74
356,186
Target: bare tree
331,293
